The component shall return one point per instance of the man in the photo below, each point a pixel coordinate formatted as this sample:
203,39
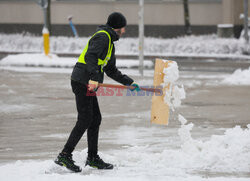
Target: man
97,57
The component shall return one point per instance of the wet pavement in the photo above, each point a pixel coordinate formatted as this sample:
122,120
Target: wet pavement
38,110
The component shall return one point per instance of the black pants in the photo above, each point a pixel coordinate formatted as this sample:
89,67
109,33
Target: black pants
89,117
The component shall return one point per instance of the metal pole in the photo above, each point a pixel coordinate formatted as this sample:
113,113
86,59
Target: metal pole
44,5
141,36
246,21
48,18
187,18
45,18
72,26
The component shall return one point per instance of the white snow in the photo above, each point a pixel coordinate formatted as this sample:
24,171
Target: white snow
227,153
206,45
64,136
37,69
239,77
45,31
174,94
12,108
37,60
41,60
171,73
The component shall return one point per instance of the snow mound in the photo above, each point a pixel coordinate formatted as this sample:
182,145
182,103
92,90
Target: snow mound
239,77
195,45
37,60
41,60
227,153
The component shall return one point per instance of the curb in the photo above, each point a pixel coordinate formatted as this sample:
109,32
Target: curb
186,57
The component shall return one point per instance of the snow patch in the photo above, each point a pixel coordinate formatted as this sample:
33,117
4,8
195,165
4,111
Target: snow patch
174,93
227,153
60,136
186,45
41,60
8,108
239,77
37,60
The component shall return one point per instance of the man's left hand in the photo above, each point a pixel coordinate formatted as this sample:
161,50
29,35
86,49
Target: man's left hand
135,87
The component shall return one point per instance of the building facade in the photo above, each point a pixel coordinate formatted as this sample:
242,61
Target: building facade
162,18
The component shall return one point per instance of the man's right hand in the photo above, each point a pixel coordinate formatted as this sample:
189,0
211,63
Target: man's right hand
93,85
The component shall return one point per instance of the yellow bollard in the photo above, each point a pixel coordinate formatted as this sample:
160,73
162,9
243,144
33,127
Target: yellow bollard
46,40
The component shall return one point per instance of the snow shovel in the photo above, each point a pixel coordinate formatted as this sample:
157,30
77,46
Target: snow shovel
159,109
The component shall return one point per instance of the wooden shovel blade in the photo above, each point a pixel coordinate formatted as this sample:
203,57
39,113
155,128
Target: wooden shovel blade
159,109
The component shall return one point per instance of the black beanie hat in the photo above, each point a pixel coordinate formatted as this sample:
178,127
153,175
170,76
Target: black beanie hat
116,20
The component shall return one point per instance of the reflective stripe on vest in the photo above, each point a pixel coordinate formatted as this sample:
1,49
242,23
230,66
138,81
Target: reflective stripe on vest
101,62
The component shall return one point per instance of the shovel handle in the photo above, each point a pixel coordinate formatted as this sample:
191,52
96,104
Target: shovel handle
130,87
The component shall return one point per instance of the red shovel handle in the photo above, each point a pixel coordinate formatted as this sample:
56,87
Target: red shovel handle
130,87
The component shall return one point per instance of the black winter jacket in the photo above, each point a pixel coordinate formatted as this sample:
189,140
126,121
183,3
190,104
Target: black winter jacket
98,47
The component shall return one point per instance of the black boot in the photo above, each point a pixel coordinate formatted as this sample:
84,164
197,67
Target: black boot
97,162
65,160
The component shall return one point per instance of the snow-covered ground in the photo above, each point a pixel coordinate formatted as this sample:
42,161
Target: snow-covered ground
41,60
42,63
228,154
207,45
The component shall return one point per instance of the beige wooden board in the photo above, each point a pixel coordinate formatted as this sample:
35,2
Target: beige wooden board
159,110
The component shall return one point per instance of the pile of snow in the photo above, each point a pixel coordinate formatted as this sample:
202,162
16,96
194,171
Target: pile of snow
41,60
31,43
174,93
37,60
239,77
195,45
226,153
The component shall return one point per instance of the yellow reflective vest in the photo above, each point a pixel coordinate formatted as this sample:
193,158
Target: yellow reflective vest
101,62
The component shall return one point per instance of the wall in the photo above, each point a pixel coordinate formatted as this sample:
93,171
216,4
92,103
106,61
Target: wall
159,13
